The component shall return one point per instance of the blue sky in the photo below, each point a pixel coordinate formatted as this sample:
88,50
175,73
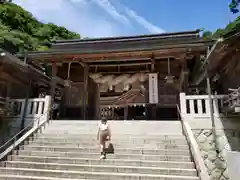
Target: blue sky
101,18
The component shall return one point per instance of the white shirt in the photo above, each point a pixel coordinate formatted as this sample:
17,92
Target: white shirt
103,126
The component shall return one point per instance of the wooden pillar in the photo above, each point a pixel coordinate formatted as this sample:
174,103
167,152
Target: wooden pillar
53,81
2,83
154,112
184,77
3,88
126,112
112,109
97,102
85,93
145,111
152,64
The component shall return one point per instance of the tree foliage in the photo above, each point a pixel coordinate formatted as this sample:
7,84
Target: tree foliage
232,28
20,31
234,6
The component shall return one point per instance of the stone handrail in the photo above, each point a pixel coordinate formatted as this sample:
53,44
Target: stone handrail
17,142
198,106
2,100
39,115
2,106
199,162
195,151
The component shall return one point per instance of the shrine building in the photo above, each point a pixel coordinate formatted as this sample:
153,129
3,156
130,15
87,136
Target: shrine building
134,77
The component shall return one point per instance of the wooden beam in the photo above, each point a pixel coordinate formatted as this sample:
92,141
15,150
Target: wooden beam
83,64
120,64
106,56
124,72
117,59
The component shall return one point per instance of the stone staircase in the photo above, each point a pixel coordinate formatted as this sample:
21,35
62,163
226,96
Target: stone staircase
68,150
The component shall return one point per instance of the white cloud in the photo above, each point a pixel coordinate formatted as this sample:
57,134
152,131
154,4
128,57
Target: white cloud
149,26
108,7
139,19
76,15
114,11
86,18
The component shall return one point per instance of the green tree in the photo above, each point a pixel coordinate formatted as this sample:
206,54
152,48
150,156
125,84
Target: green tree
234,6
232,28
20,31
207,35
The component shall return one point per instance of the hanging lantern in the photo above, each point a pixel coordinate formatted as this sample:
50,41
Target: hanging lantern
67,82
169,78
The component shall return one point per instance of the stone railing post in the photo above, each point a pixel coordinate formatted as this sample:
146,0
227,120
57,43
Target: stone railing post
47,108
183,105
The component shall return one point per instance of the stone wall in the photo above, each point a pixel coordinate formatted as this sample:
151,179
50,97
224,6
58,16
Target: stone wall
214,162
228,138
11,126
195,110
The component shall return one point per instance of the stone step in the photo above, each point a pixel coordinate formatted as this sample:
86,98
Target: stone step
20,177
96,161
116,145
103,168
76,149
117,156
155,125
66,152
130,131
155,129
89,122
117,150
90,175
115,125
159,124
124,135
115,135
123,130
118,140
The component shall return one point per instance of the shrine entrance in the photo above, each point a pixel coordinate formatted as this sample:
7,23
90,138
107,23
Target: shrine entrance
137,113
167,113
